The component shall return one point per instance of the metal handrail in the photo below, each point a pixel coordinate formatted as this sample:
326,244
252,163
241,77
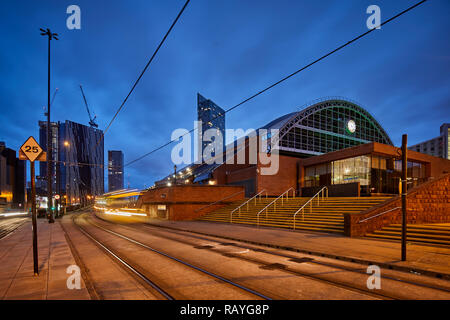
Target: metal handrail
246,203
211,204
377,215
321,191
274,201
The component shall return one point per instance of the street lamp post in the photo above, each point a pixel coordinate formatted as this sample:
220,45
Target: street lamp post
67,174
404,193
175,175
50,36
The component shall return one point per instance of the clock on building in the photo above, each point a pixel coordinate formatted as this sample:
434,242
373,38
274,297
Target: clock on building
351,126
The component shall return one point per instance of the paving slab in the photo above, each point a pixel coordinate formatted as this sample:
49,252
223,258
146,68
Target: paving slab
17,279
423,259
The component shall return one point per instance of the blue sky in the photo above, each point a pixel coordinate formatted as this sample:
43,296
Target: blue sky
227,50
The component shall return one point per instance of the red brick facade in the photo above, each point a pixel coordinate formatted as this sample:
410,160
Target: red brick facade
291,170
428,203
186,202
285,178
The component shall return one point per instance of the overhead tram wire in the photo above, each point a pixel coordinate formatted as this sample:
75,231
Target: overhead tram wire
286,78
80,164
143,71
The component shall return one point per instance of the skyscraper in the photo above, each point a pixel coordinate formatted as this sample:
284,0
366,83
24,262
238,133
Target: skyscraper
212,117
54,130
115,170
79,161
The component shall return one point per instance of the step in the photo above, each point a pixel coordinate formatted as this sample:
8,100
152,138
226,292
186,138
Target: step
419,230
279,217
299,227
443,227
336,226
413,234
410,239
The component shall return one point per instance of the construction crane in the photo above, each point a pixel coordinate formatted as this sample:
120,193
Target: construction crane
91,120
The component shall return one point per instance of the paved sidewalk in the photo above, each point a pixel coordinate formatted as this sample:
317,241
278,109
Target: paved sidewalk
17,280
433,261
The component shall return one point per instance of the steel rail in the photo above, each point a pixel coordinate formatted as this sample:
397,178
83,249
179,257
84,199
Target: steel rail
361,270
183,262
309,201
275,201
127,265
246,203
379,214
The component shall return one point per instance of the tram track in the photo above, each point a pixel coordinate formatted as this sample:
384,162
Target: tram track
137,271
9,225
267,265
360,271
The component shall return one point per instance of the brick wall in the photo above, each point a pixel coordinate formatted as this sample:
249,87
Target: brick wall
428,203
285,178
187,202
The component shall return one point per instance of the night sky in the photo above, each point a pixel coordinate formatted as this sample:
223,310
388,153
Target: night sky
227,50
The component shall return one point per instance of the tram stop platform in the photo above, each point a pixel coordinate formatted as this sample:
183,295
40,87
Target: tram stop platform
422,259
17,279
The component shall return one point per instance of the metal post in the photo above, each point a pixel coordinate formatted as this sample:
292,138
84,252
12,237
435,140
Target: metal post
404,192
49,147
175,174
34,224
58,189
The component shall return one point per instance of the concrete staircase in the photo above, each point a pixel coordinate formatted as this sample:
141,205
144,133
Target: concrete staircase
433,234
325,217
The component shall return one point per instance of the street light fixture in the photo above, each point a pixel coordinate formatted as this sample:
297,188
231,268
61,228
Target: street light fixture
50,36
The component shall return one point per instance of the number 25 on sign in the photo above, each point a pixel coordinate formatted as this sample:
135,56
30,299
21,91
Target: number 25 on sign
32,151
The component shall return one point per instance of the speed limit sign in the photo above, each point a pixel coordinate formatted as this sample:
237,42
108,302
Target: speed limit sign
30,150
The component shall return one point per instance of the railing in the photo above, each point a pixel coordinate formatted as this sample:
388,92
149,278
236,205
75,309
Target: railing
377,215
211,204
274,202
310,202
246,203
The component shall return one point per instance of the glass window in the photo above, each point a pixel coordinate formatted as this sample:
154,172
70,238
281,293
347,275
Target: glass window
351,170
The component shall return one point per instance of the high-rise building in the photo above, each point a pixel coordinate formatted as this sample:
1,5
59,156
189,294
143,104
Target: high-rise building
437,147
115,170
212,117
78,160
12,178
54,131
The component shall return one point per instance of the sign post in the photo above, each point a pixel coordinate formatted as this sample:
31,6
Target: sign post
33,212
32,151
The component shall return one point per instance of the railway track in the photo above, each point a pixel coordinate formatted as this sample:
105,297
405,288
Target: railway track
268,265
141,275
396,279
361,270
9,225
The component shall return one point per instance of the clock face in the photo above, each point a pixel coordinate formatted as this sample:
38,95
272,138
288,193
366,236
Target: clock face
351,126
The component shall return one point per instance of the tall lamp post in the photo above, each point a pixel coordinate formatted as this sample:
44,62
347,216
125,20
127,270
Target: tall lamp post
175,174
50,36
404,193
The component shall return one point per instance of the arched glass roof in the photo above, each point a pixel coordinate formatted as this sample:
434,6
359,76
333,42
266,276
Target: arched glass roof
327,125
